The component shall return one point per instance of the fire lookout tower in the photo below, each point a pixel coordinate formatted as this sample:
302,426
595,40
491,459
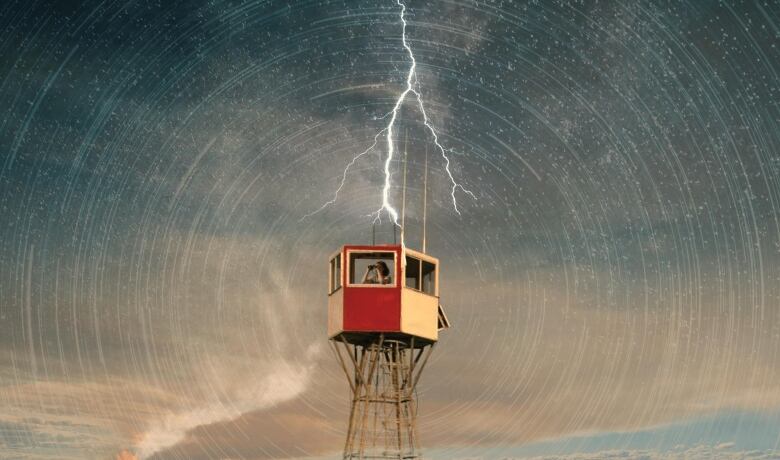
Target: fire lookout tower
384,315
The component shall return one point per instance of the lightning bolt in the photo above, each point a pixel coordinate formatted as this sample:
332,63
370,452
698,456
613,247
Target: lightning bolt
344,176
412,85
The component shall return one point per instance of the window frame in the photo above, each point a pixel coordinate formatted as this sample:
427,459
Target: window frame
419,256
435,278
419,269
331,278
393,272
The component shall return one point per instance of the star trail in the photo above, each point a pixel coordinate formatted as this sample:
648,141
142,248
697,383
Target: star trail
614,288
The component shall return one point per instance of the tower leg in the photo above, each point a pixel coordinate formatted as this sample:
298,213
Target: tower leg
382,375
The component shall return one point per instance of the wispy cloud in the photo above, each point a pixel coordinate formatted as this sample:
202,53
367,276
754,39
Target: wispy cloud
284,381
702,452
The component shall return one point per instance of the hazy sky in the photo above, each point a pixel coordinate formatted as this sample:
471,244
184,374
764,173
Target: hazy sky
614,287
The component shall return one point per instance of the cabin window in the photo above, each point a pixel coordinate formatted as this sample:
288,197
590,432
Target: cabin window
335,273
412,273
428,278
369,268
420,275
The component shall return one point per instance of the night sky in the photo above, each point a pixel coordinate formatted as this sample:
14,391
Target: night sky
613,285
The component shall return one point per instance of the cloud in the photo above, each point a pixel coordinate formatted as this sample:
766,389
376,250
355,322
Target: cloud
701,452
60,419
126,455
290,430
284,381
208,376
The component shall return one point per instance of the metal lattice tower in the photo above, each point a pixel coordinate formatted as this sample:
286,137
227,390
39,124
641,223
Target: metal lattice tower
384,318
382,375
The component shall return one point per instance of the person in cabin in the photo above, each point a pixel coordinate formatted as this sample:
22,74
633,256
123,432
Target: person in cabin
378,273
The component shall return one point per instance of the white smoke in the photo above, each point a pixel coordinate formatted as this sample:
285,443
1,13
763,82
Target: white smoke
283,381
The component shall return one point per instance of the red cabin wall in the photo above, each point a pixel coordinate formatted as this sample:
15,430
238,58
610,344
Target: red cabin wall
373,309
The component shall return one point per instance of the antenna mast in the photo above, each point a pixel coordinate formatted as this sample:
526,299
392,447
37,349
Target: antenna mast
403,193
425,198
